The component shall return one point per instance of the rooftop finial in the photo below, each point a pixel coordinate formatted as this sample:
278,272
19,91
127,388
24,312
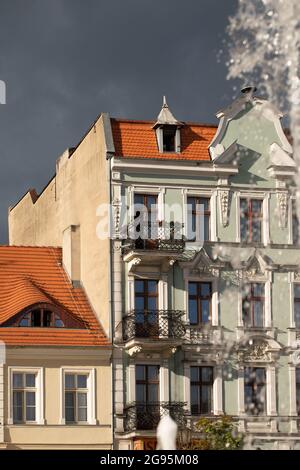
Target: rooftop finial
165,116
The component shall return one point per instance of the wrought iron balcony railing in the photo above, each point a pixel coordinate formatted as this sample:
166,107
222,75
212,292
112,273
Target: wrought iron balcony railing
155,324
146,416
155,236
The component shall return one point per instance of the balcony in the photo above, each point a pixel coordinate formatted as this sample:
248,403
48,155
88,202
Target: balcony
146,416
154,244
203,335
154,326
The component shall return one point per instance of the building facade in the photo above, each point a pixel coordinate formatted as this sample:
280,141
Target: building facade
55,359
198,282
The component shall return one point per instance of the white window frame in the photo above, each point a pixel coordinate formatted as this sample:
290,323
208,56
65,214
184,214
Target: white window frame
215,321
91,394
164,382
212,195
39,398
262,196
155,191
217,396
162,279
160,140
271,405
267,281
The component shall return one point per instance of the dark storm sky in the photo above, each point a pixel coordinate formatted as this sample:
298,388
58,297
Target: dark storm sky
65,61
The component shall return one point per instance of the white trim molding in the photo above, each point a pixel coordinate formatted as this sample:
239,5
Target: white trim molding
39,399
91,394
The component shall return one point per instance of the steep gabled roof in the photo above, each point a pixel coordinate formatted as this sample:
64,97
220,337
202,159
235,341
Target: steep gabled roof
137,139
32,275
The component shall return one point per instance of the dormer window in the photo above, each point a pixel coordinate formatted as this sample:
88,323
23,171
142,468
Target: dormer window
44,315
167,130
41,317
169,138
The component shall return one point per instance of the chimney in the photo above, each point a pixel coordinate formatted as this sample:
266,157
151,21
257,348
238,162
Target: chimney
71,253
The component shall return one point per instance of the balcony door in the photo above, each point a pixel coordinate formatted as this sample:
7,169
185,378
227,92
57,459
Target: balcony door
147,396
146,308
145,209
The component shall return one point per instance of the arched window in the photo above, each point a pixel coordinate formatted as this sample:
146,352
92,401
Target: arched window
41,317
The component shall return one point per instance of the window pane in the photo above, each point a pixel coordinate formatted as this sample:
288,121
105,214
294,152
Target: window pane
139,303
256,231
82,414
140,372
152,287
193,316
17,407
153,372
81,381
17,380
256,206
140,393
70,399
82,399
47,318
30,380
30,398
204,204
195,405
205,311
70,415
207,374
152,303
69,381
36,317
139,286
194,374
25,321
205,289
152,393
244,205
30,413
258,313
58,323
258,290
206,399
193,288
244,229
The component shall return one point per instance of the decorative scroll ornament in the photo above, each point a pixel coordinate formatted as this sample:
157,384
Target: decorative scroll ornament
116,205
282,202
254,269
296,276
256,351
134,350
224,205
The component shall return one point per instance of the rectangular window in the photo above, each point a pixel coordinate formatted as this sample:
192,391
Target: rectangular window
295,224
24,397
76,398
146,211
297,305
200,296
251,217
146,307
198,218
298,390
254,305
201,390
255,390
169,134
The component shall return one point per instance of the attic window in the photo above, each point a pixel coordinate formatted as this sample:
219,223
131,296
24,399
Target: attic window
41,318
169,138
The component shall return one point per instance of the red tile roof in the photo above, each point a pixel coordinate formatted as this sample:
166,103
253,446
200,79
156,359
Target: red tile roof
30,275
137,139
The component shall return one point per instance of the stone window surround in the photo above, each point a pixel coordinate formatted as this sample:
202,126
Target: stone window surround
164,379
214,298
39,406
209,193
265,279
217,385
155,191
91,398
262,195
